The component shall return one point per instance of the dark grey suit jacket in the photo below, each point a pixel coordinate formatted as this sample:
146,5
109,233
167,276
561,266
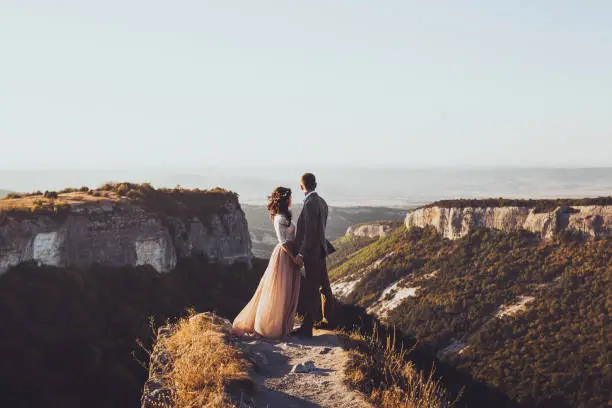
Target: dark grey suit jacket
310,239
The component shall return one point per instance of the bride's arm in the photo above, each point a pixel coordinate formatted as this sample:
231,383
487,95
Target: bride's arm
288,251
282,238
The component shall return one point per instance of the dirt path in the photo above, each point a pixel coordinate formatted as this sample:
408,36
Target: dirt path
278,387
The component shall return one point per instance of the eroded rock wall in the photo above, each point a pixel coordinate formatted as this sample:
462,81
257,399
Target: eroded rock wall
454,223
122,233
372,230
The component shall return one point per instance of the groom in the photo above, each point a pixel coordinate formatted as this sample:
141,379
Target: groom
311,248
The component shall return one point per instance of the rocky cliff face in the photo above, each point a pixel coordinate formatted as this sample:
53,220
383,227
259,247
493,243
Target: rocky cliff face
591,220
374,230
118,232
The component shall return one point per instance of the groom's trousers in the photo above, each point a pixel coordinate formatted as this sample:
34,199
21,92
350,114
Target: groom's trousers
317,292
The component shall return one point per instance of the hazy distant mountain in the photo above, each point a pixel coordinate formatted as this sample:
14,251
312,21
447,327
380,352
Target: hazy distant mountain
347,186
3,193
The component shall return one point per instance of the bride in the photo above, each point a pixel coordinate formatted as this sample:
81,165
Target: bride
271,311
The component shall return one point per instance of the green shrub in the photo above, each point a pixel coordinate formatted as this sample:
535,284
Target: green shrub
122,189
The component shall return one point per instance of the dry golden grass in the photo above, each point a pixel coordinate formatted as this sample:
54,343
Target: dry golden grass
31,203
177,202
381,372
201,364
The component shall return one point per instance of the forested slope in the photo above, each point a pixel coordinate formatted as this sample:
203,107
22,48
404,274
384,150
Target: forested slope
530,317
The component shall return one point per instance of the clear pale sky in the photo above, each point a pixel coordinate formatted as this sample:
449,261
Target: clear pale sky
105,84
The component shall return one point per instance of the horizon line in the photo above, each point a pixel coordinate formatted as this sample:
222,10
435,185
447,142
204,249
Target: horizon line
319,167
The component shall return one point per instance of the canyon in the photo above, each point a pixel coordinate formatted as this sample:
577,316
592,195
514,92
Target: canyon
487,287
341,220
100,261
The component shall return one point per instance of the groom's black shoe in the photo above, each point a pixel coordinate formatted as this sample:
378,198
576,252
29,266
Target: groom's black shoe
303,333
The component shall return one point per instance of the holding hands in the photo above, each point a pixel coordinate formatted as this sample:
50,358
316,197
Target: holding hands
297,259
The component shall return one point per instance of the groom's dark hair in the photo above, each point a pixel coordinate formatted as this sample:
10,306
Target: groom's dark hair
309,181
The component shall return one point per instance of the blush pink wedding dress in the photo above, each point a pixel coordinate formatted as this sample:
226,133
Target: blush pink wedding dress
271,311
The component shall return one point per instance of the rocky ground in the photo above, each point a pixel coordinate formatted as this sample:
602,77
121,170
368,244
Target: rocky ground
296,373
301,372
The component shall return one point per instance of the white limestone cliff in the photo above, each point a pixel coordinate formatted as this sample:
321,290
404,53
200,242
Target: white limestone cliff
375,229
121,233
453,223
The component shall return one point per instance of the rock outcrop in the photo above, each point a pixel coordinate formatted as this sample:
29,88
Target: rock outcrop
122,232
453,223
296,373
375,230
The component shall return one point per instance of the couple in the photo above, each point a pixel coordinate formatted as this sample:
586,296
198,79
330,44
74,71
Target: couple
271,311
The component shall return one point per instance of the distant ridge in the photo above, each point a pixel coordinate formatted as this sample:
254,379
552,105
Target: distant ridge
345,186
588,217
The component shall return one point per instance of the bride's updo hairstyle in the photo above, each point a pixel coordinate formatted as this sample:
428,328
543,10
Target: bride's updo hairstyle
278,202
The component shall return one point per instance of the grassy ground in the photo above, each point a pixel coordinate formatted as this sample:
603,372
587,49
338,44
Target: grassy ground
200,365
387,377
177,202
346,247
39,204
